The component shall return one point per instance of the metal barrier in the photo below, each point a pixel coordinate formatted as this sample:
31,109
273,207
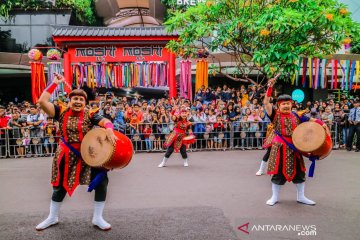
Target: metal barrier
237,135
23,142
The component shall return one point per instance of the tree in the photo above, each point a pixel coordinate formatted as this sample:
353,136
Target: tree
264,36
84,12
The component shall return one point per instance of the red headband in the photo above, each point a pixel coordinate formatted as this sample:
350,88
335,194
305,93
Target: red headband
280,101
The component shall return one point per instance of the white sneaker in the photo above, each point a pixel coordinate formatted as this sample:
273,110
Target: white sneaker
275,195
300,195
186,164
53,217
163,163
98,219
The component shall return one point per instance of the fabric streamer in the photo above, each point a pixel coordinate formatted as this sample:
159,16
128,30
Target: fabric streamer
202,69
357,80
38,82
305,61
335,70
185,79
352,72
54,67
297,72
310,72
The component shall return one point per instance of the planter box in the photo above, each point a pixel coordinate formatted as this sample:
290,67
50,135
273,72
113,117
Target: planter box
34,27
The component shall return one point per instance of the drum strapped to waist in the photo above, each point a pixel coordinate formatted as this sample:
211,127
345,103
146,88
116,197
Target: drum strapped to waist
189,139
310,138
98,151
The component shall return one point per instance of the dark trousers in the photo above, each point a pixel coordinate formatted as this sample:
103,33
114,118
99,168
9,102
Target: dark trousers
267,154
280,179
59,192
352,130
2,146
170,150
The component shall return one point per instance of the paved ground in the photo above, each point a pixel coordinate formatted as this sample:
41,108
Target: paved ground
208,200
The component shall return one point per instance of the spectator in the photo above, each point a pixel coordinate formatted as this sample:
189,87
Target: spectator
354,127
254,120
313,114
219,132
134,124
34,120
3,124
155,125
328,117
50,130
344,125
148,142
337,121
14,126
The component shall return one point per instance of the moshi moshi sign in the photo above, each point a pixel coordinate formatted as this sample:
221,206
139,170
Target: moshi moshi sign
188,2
298,95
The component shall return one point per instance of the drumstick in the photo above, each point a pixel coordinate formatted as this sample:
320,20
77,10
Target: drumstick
65,82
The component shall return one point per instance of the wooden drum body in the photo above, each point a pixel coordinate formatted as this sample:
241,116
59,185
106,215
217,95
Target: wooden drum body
310,138
98,151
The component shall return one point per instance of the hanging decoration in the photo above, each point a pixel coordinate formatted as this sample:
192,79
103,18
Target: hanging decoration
185,79
53,54
316,71
35,55
54,67
38,82
202,69
118,75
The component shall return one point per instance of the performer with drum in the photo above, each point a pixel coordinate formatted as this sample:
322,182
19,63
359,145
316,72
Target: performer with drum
285,163
176,141
68,169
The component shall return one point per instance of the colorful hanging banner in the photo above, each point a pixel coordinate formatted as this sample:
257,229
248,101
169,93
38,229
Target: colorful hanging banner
54,67
202,73
118,75
185,79
38,82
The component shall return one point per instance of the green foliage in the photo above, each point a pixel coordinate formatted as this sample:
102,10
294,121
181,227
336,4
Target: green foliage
266,36
7,5
83,10
355,47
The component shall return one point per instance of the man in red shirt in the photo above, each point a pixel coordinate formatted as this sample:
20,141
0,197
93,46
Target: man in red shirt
3,124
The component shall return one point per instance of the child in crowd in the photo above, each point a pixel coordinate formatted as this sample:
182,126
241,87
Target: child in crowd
148,142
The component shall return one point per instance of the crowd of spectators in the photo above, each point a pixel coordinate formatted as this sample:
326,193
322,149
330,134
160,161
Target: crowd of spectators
222,117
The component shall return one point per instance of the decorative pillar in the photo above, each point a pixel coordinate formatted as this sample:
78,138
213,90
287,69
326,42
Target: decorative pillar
67,72
172,77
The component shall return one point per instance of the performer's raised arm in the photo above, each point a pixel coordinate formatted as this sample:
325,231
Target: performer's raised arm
267,104
44,99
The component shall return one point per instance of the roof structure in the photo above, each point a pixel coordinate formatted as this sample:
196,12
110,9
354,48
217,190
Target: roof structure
78,31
